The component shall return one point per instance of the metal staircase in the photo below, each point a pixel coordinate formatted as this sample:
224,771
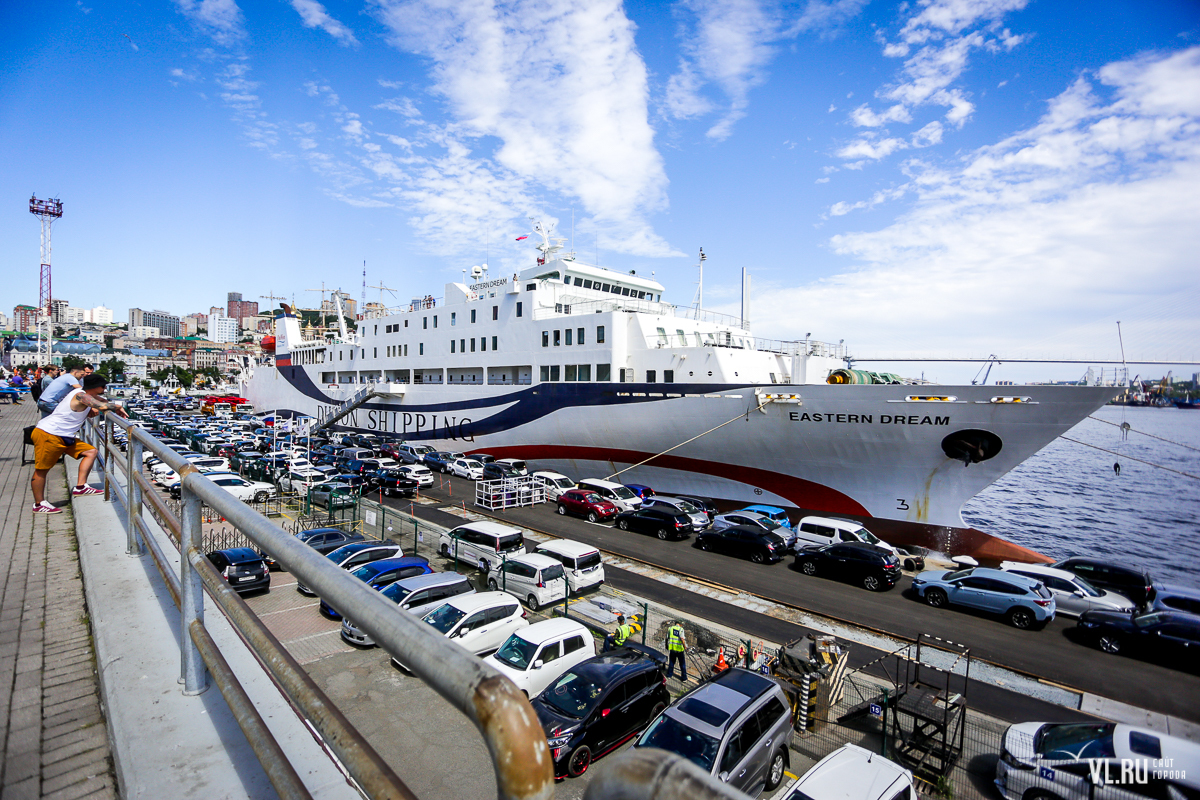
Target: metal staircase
354,401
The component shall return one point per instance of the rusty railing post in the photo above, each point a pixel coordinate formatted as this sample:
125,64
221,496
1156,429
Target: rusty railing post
191,607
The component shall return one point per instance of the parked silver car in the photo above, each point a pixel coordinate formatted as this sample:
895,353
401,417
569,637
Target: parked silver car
1072,594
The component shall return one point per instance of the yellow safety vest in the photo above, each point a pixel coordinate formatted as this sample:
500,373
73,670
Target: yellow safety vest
675,638
623,633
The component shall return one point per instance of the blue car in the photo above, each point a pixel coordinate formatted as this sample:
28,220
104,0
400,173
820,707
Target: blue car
1024,602
379,574
642,491
773,513
439,461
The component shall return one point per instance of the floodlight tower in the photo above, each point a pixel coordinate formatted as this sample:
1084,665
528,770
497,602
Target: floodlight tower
48,211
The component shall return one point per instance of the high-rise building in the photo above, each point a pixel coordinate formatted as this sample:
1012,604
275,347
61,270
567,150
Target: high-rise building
100,316
239,309
169,324
349,305
25,319
223,329
58,311
3,322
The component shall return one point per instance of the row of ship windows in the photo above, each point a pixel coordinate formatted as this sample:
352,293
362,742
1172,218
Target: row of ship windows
613,288
583,372
395,328
577,335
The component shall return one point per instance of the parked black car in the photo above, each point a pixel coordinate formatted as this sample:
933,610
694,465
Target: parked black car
482,458
323,540
744,541
661,523
599,704
243,569
495,471
392,483
707,506
859,562
1132,582
1160,636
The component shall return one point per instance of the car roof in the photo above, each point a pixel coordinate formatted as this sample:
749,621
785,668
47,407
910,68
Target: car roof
729,694
469,603
1175,590
483,526
852,772
750,514
998,574
771,509
399,561
241,555
608,666
430,579
832,522
1039,569
541,632
545,473
1099,562
358,547
598,482
567,547
536,560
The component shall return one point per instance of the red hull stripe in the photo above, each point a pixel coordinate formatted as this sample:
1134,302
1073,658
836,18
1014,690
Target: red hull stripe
283,361
802,493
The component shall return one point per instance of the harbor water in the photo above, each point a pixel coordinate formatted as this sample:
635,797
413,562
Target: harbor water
1068,500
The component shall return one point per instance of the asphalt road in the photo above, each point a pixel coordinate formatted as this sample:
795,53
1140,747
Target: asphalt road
1049,654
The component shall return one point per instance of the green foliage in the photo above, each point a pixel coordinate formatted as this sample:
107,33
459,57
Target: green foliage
113,369
73,362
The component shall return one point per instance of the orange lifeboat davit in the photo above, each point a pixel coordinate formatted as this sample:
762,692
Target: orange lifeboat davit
268,344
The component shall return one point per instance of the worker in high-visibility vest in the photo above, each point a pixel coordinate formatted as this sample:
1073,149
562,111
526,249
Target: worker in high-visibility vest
676,648
618,637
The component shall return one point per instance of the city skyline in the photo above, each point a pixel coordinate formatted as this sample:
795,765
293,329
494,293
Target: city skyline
926,179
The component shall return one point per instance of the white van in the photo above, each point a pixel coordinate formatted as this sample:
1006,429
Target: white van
536,656
620,496
581,562
479,622
828,530
482,544
852,772
537,579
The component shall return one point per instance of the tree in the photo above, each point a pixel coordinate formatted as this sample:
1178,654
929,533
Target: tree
113,369
73,362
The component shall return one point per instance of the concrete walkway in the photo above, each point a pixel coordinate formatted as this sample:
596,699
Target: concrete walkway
53,738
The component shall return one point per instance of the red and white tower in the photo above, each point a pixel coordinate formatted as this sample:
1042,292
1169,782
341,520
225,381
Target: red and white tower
48,211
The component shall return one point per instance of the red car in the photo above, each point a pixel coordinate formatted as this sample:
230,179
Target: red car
583,503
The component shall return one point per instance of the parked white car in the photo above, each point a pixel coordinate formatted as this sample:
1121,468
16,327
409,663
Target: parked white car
467,468
419,473
537,655
853,773
1072,594
243,489
298,480
537,579
556,483
581,562
829,530
482,544
620,496
478,622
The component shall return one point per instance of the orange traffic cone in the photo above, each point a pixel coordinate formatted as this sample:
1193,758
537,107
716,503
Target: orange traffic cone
721,664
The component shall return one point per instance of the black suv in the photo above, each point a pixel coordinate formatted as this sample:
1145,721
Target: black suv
1159,636
494,471
1131,582
599,704
744,541
662,524
859,562
391,482
242,568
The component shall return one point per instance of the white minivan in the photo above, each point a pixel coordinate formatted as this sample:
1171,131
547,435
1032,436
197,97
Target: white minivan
534,657
482,544
581,562
555,483
829,530
620,496
537,579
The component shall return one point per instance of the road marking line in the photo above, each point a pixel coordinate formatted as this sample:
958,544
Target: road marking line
313,636
293,608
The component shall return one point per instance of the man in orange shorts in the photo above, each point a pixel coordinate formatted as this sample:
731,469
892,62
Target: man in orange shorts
55,436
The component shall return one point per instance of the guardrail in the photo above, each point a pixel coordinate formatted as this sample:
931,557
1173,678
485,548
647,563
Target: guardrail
503,715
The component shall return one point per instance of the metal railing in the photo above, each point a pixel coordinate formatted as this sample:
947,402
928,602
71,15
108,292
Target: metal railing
501,712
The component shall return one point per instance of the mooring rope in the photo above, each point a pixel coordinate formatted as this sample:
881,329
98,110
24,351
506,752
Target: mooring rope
1143,433
1131,458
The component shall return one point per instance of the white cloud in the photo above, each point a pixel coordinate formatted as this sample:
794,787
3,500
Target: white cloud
561,90
825,15
220,19
1035,238
869,147
314,15
865,117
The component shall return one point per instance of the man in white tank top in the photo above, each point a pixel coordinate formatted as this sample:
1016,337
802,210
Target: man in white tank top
55,436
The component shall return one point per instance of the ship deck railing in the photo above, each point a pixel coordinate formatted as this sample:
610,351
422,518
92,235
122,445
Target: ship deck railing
514,738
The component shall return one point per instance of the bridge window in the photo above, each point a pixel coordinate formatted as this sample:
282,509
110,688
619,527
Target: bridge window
668,376
545,338
569,337
603,372
518,308
599,334
651,376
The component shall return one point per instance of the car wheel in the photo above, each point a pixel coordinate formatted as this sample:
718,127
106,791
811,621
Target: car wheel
562,510
532,602
492,584
658,709
703,544
445,551
1110,644
591,517
871,583
936,598
757,557
662,534
775,773
808,567
1021,618
260,497
579,761
910,565
623,525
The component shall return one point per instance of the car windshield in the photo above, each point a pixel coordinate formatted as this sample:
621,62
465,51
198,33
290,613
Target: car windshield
623,493
1085,587
591,498
953,576
473,465
573,695
866,536
1146,620
516,652
396,593
1073,742
590,560
444,618
563,483
673,736
511,542
686,507
365,572
341,553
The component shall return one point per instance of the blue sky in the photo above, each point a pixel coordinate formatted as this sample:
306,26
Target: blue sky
937,178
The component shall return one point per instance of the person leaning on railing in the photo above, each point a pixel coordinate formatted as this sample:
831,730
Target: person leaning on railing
55,436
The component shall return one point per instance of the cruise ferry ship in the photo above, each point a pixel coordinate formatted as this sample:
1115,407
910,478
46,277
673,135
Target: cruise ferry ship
590,372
